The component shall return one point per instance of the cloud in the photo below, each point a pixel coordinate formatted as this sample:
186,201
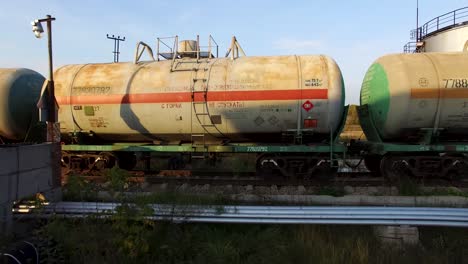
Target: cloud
296,45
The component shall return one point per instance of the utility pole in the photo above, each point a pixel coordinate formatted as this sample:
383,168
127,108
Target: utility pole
417,21
116,46
52,136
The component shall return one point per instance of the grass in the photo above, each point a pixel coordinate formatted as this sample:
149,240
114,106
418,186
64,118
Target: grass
77,189
335,191
447,191
408,187
93,241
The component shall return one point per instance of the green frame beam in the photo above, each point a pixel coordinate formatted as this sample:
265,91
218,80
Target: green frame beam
318,148
383,148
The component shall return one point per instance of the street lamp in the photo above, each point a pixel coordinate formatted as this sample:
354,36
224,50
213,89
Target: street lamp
51,118
37,28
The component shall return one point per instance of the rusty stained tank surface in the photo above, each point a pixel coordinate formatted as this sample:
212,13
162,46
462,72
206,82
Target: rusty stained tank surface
409,93
248,98
19,93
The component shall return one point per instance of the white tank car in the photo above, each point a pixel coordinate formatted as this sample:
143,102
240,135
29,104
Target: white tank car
19,93
257,99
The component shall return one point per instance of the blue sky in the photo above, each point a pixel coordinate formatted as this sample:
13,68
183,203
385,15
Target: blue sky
354,33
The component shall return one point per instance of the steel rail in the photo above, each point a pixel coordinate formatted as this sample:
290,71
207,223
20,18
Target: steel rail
418,216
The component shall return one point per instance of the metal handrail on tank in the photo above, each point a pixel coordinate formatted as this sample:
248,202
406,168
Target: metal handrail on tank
234,49
410,47
159,42
139,53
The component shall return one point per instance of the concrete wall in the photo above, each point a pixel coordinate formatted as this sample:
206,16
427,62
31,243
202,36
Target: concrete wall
451,40
26,170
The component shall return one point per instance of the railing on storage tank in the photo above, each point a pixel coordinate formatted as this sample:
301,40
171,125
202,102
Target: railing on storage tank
443,22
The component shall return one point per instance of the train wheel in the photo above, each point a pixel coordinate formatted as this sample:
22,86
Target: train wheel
372,163
394,168
324,171
459,172
126,160
66,160
267,167
455,167
387,170
104,161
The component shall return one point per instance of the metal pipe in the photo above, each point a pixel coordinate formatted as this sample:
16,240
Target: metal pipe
198,47
209,47
157,48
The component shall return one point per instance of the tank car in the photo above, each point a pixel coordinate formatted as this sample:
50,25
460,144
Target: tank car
415,116
249,99
195,102
19,94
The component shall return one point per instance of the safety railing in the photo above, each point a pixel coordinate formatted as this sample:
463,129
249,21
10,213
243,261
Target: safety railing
410,47
442,22
360,215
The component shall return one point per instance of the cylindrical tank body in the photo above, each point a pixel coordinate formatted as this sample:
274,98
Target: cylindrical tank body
19,93
451,40
246,99
408,95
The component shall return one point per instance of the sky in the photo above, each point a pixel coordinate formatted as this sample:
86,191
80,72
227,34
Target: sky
354,33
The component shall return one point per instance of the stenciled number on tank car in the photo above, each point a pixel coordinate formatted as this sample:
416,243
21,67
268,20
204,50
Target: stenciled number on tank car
313,82
456,83
235,104
91,90
257,149
98,122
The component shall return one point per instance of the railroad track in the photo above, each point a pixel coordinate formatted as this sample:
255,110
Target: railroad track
354,179
257,181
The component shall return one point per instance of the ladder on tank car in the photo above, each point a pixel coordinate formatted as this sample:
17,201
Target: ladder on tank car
198,62
199,89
